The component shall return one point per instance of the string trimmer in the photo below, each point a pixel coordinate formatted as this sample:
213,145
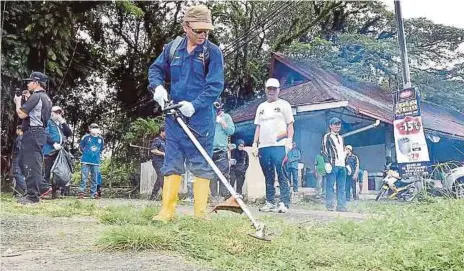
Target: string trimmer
173,110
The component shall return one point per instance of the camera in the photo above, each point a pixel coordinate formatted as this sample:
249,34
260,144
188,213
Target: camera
22,93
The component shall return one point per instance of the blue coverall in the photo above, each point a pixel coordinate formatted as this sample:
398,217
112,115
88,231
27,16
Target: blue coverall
200,81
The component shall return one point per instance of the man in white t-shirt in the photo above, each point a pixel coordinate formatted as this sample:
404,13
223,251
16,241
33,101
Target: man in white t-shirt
273,139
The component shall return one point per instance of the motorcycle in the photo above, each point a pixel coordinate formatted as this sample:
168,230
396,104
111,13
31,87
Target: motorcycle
394,187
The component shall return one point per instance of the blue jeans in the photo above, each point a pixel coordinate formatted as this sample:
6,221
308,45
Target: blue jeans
93,171
338,177
270,159
293,172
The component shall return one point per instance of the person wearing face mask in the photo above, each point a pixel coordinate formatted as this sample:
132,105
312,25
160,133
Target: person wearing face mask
91,146
57,132
273,139
195,68
240,166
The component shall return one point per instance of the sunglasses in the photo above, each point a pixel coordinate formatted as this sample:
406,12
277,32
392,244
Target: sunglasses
337,123
199,31
272,88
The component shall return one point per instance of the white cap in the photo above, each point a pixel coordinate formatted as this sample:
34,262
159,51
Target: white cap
272,82
349,147
57,108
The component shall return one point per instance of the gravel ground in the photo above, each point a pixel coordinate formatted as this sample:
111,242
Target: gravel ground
35,242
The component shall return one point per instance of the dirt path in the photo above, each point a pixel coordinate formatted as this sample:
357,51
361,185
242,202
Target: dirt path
35,243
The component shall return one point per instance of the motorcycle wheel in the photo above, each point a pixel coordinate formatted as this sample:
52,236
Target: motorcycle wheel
409,195
458,189
381,194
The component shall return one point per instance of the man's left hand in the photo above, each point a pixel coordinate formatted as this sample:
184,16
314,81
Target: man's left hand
288,146
187,109
219,118
61,120
17,99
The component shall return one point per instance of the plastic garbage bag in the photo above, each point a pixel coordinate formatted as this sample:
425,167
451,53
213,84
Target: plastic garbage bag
62,169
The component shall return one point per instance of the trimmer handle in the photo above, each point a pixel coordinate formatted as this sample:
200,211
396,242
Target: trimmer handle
171,106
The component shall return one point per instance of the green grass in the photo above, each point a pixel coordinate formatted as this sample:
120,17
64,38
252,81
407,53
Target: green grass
55,208
413,237
405,237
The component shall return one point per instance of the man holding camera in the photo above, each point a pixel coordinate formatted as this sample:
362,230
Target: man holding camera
35,113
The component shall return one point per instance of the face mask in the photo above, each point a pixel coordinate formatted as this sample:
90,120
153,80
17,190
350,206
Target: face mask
95,131
54,116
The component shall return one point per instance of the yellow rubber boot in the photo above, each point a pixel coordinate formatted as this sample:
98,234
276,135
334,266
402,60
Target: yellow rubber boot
200,195
170,190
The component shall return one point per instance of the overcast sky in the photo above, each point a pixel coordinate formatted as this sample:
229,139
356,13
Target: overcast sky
448,12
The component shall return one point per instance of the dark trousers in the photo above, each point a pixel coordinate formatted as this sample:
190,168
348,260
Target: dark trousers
159,179
49,160
237,176
20,184
270,159
221,160
350,186
31,160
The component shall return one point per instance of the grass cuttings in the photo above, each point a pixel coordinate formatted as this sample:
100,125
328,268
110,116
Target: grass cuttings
405,237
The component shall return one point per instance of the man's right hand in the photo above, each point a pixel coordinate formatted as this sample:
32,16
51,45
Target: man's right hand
160,96
254,149
328,168
57,146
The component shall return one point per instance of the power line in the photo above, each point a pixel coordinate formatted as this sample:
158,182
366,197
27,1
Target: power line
255,27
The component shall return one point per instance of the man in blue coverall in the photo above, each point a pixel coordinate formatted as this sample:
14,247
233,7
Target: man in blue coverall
195,68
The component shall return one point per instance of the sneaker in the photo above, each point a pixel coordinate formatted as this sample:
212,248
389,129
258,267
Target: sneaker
268,207
341,210
282,208
26,201
96,196
46,193
80,195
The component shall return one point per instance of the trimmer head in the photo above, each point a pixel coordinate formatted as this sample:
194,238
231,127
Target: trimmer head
260,233
230,204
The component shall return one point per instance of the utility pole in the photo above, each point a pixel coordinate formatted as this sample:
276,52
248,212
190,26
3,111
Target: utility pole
402,44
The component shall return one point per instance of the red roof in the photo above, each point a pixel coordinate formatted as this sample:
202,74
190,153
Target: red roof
366,99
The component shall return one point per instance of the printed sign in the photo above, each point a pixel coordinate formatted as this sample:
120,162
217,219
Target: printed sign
411,148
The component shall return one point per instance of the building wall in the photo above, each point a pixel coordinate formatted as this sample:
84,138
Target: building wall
371,158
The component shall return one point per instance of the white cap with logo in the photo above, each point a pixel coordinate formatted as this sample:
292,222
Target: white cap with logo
272,82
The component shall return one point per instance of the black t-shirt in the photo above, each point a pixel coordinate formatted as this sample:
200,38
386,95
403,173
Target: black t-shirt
38,109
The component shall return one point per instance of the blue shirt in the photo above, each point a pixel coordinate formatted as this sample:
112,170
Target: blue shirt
221,136
56,133
190,79
158,144
294,157
91,147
